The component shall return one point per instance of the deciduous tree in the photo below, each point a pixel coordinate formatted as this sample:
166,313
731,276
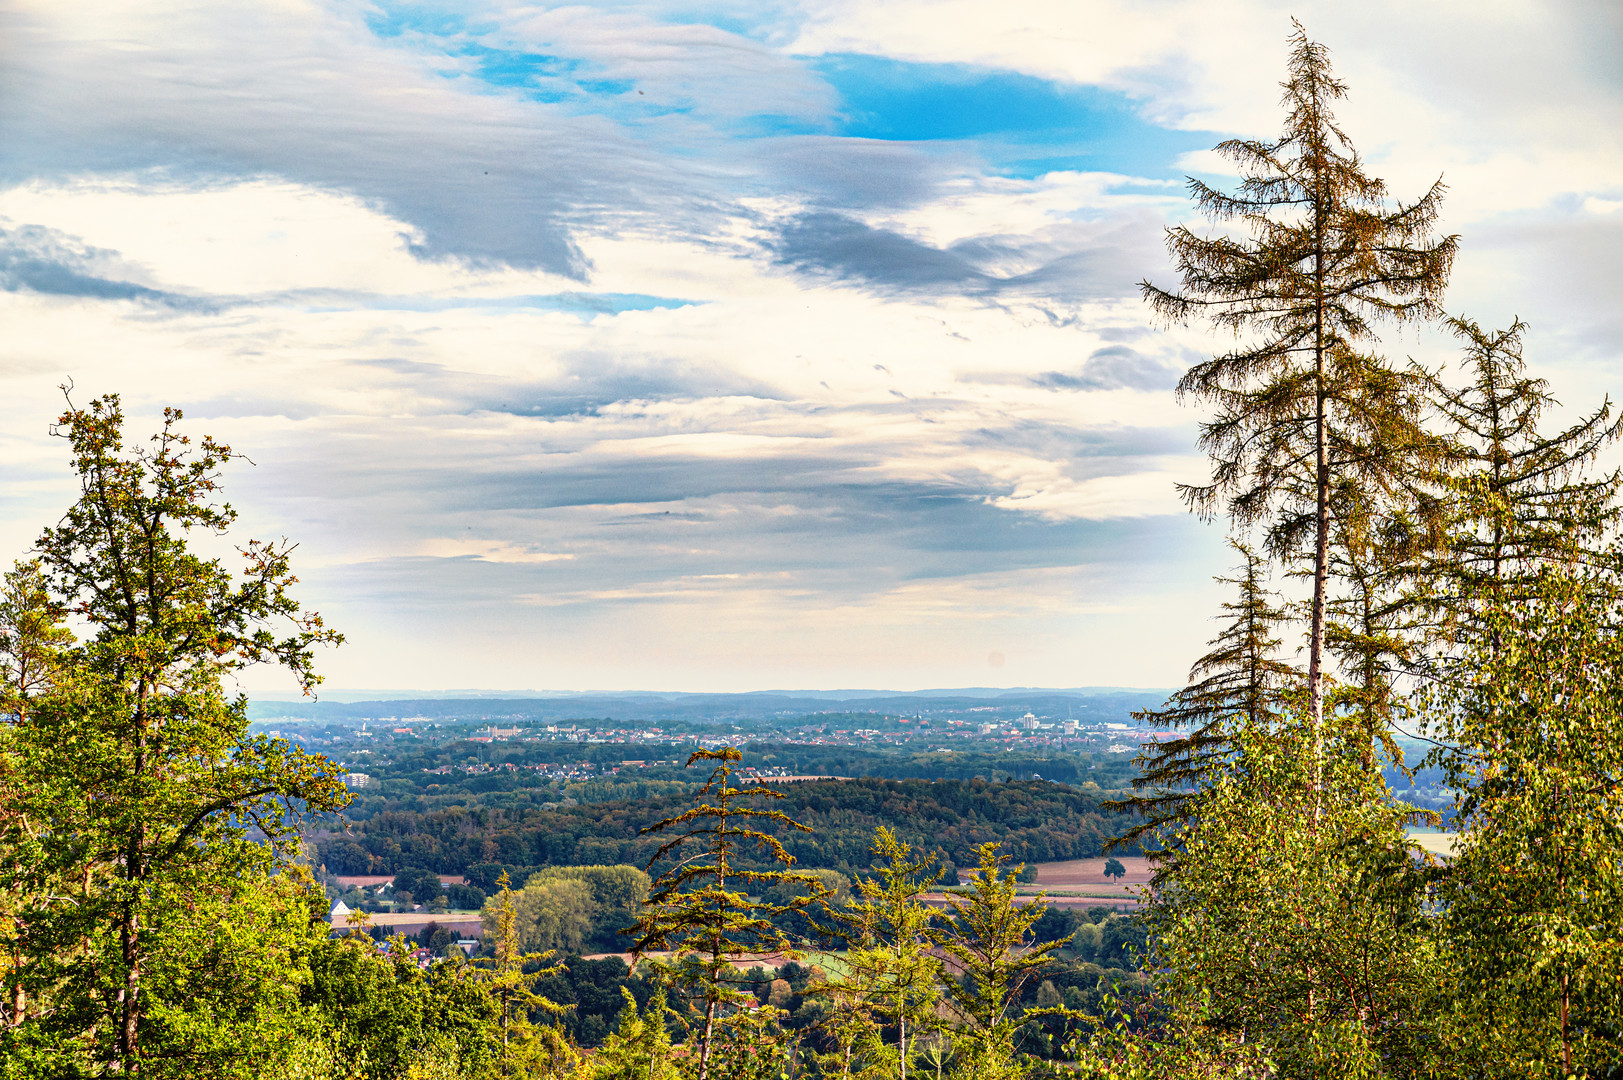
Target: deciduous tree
139,796
1534,893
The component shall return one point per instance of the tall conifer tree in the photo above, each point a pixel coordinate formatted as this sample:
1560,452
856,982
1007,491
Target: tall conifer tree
1240,683
1297,404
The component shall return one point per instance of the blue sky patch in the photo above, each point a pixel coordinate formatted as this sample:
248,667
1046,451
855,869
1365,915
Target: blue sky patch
388,20
1025,125
579,303
507,67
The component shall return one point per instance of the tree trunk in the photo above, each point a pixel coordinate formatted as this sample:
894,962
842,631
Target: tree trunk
1321,578
1321,486
1566,1032
135,871
129,996
704,1043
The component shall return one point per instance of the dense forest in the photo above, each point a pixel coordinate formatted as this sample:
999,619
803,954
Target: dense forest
431,778
1447,556
1034,821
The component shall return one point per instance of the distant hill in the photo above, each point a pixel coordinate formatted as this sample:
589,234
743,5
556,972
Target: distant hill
1091,704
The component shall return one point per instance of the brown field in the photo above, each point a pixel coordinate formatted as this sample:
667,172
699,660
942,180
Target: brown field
1085,878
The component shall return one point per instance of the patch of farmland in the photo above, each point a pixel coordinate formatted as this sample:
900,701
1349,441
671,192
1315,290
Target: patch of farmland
1089,874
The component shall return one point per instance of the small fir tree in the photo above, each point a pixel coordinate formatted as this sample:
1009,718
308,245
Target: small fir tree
640,1046
702,911
509,976
988,940
890,979
1239,683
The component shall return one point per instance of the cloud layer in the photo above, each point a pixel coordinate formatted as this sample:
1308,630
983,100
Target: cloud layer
645,345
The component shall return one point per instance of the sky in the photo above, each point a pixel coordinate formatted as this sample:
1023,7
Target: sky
730,346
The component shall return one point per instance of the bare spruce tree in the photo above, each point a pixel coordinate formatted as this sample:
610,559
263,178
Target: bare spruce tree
1321,256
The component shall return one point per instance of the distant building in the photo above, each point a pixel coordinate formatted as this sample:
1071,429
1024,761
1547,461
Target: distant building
356,779
340,910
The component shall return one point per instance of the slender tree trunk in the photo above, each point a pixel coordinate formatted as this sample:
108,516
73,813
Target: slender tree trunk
901,1036
1321,561
1566,1033
704,1044
506,1023
130,928
129,996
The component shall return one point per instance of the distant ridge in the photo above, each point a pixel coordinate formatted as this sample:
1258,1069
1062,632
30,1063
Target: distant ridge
1090,703
369,695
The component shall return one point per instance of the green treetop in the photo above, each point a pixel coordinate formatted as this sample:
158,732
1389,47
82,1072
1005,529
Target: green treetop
1521,497
890,977
138,790
990,947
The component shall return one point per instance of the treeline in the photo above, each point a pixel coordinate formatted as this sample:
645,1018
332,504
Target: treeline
1033,821
568,910
1109,771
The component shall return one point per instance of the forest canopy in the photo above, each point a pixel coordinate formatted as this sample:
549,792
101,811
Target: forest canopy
1033,820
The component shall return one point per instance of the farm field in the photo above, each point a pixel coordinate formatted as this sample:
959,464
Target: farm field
1086,877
